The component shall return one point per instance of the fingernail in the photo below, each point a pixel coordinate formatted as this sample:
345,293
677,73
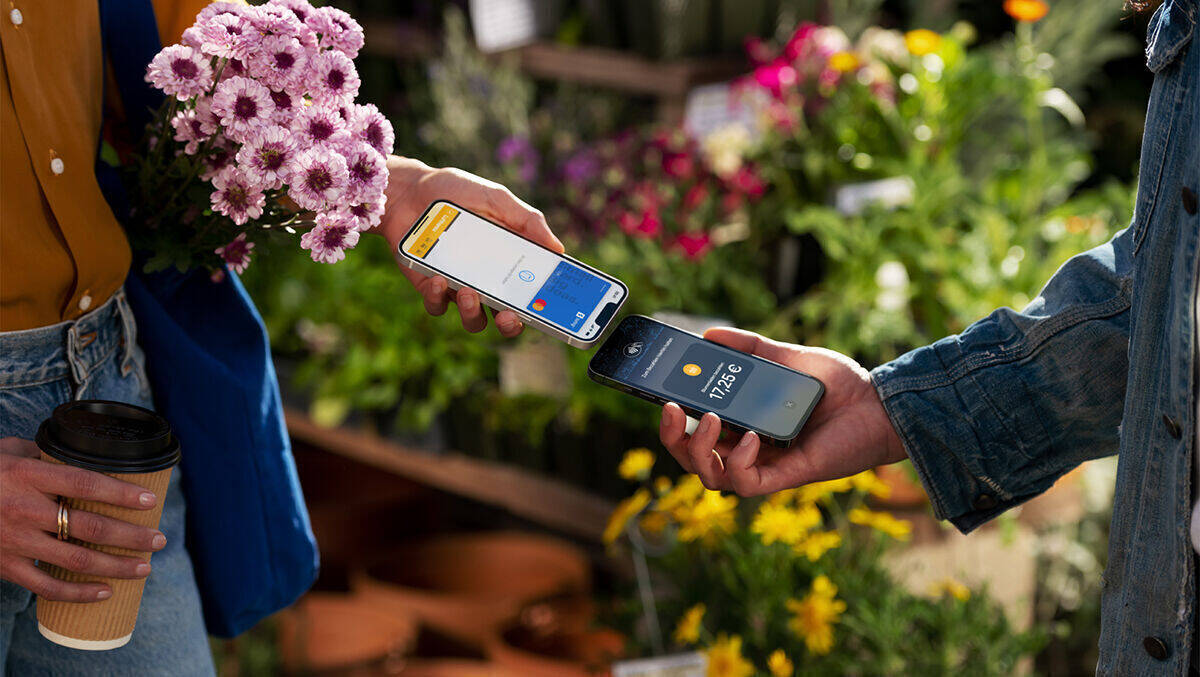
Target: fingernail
745,440
705,422
142,569
147,499
158,541
468,301
439,287
507,325
104,594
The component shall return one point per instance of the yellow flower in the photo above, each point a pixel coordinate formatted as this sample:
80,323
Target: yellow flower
814,616
922,41
662,485
779,664
624,512
654,522
811,493
636,464
687,631
898,529
867,481
952,588
1026,10
686,492
711,516
725,658
781,523
844,62
783,496
814,545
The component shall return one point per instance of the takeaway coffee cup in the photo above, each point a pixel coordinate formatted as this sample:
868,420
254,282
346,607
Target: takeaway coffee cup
131,444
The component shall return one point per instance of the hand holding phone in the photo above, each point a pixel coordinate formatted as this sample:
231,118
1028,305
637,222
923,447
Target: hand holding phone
848,431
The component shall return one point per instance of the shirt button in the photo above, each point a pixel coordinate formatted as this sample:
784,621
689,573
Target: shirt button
1155,647
1172,427
15,17
57,165
984,502
85,301
1189,200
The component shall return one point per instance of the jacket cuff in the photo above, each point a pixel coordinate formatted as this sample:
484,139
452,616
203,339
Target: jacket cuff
946,435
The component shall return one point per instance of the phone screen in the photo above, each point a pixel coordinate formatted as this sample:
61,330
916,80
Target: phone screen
673,365
494,260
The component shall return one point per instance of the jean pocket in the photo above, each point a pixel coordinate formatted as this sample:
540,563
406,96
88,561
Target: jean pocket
23,408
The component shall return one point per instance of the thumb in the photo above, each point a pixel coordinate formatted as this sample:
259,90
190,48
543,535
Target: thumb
521,218
749,342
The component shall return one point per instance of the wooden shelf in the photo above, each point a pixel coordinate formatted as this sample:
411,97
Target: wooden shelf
539,499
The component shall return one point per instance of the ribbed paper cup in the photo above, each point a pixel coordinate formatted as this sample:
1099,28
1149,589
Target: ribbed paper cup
128,443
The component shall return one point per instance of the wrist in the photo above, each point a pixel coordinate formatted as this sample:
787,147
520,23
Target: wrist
891,443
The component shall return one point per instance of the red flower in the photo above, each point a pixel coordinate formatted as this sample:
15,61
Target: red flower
799,40
758,50
776,77
628,221
695,196
678,165
649,226
749,182
731,202
694,245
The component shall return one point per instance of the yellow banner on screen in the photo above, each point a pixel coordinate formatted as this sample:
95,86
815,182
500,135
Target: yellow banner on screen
435,224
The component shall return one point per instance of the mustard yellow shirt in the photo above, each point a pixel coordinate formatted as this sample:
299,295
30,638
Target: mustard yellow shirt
62,251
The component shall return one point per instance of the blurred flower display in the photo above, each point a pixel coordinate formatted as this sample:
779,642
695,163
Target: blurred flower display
795,583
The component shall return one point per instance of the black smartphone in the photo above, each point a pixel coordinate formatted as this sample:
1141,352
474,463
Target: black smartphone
660,363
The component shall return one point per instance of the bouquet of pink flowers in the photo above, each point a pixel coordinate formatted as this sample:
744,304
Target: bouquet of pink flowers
260,134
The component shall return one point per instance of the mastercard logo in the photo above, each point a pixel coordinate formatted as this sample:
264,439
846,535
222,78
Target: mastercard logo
539,304
692,369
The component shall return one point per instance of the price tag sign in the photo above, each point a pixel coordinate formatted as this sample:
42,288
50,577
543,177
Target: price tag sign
678,665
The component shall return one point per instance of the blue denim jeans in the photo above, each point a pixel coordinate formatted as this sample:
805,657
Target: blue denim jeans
97,357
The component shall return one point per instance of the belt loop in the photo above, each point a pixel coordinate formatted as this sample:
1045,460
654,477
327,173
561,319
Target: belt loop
129,329
79,370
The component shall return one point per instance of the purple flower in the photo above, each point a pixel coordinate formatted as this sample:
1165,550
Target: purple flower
367,170
317,179
223,36
369,125
275,20
180,71
329,239
209,122
285,112
581,168
236,195
332,78
319,126
192,37
189,130
267,157
237,253
366,215
243,106
279,62
518,149
337,29
219,8
300,8
218,158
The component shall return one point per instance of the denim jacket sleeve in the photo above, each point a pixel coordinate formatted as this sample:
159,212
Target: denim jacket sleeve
993,416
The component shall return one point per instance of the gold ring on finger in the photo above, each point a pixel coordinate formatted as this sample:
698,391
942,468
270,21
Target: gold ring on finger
64,520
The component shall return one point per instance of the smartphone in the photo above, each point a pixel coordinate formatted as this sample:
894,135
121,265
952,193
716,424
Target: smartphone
661,363
552,292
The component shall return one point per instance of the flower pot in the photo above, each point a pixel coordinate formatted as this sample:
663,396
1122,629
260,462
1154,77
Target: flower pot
329,633
906,490
454,667
574,653
466,585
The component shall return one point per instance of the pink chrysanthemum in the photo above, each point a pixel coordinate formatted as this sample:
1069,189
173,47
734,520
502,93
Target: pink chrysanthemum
367,124
337,29
192,37
365,215
189,130
367,171
218,158
285,110
329,239
224,36
332,78
275,20
243,106
180,71
319,126
279,62
318,178
236,195
217,9
209,122
267,157
300,8
236,254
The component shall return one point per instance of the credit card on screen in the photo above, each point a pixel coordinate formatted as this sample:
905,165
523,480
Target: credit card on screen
553,292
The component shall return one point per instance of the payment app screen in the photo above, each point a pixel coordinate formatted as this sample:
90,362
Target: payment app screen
508,267
686,369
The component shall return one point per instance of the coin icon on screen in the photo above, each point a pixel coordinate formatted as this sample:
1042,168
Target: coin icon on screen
692,369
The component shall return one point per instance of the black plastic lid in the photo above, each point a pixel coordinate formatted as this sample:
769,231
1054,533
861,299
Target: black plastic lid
109,437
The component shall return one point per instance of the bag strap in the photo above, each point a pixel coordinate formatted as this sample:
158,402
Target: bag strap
129,33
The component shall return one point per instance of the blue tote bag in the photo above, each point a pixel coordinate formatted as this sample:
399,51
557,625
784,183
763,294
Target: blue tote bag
209,362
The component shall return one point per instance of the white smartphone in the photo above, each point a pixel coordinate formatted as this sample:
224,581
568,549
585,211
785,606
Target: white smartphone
552,292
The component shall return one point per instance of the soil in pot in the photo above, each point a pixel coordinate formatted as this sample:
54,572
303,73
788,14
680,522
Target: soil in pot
571,653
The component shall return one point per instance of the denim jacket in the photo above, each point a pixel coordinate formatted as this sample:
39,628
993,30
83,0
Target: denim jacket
1101,362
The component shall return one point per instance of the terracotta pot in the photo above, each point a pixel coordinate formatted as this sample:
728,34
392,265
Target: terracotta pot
453,667
466,585
528,652
329,633
907,491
